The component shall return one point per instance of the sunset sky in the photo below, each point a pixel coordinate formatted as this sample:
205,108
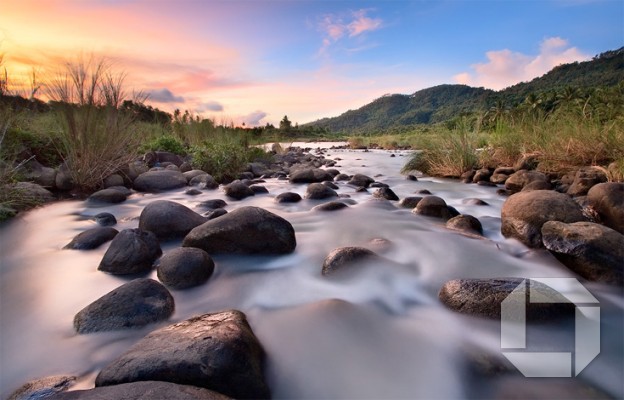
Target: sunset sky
255,61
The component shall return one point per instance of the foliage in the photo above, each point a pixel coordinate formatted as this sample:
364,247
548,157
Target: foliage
166,142
224,156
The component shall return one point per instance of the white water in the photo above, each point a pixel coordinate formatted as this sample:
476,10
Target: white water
380,333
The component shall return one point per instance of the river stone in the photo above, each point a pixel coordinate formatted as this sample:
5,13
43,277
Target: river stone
521,178
361,180
498,178
527,162
159,181
132,305
259,189
584,179
524,213
193,173
43,388
216,213
343,257
111,196
132,251
330,185
204,181
148,390
105,219
215,351
593,251
318,191
330,206
168,219
113,180
192,192
92,238
63,180
465,223
483,298
341,177
288,197
410,202
237,190
246,230
482,174
608,201
184,267
386,193
212,204
309,175
433,206
474,202
537,185
161,158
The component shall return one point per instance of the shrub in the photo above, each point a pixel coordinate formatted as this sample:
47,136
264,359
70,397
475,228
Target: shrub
165,143
224,158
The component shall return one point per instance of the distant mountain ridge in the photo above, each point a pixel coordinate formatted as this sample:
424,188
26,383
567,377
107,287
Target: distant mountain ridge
444,102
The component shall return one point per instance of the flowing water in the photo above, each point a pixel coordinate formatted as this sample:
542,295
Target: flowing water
378,333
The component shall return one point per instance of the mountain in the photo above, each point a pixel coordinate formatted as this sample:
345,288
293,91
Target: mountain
444,102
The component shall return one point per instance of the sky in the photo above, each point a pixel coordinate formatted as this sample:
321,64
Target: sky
255,61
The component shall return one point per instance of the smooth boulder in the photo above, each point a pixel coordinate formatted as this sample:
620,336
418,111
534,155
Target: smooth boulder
147,390
361,180
107,196
309,175
159,181
607,199
330,206
92,238
343,257
132,251
318,191
465,223
238,190
288,197
184,267
168,219
433,206
518,180
386,193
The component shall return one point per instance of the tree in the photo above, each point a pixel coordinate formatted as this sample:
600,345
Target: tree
285,124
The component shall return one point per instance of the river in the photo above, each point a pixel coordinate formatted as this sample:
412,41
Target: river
381,333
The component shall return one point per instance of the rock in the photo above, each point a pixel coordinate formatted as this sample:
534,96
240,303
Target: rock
288,197
35,172
159,181
411,177
468,176
246,176
186,167
410,202
432,206
204,181
379,185
318,191
330,185
483,298
105,219
424,191
361,180
330,206
343,257
504,170
113,180
156,158
465,223
593,251
212,214
309,175
474,202
524,213
192,192
184,267
132,305
148,390
168,219
499,179
333,172
521,178
132,251
608,201
108,196
33,191
212,204
528,162
386,193
135,169
259,189
92,238
537,185
43,388
341,177
482,174
584,180
215,351
122,189
63,180
238,190
246,230
189,175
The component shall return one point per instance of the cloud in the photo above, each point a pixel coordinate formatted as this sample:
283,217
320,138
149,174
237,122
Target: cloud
336,27
164,95
210,106
363,24
254,118
505,67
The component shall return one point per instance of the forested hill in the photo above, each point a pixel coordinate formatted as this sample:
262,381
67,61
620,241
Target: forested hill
444,102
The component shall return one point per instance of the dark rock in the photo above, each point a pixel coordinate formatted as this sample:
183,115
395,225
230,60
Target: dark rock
468,176
343,257
333,172
498,179
212,204
486,183
465,223
379,185
204,181
537,185
341,177
43,388
109,196
122,189
288,197
246,176
216,213
113,180
92,238
148,390
524,213
483,298
360,180
259,189
63,180
584,180
474,202
330,206
361,190
192,192
482,174
105,219
186,167
432,206
35,172
330,185
423,191
309,175
216,351
246,230
318,191
593,251
257,169
411,177
135,169
608,201
504,170
132,251
410,202
159,181
386,193
503,192
521,178
238,190
132,305
193,173
184,267
168,219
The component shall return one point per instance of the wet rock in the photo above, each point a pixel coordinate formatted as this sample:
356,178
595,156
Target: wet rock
309,175
246,230
433,206
159,181
105,219
212,204
333,172
330,185
204,181
318,191
498,178
109,196
189,175
424,191
113,180
584,179
122,189
474,202
608,201
524,213
386,193
330,206
43,388
184,267
537,185
360,180
259,189
192,192
168,219
521,178
482,174
257,169
92,238
465,223
344,257
238,190
288,197
216,213
379,185
149,390
483,298
468,176
132,251
486,183
132,305
341,177
411,177
410,202
215,351
593,251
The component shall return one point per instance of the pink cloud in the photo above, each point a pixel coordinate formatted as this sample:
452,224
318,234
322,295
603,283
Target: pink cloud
335,28
363,24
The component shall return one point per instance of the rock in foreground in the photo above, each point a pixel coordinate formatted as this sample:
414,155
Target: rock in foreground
184,267
132,251
168,219
149,390
92,238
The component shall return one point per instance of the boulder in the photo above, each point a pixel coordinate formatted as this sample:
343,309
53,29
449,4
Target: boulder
433,206
330,206
105,219
330,185
288,197
35,172
192,192
147,390
92,238
465,223
521,178
410,202
259,189
537,185
246,230
193,173
361,180
204,181
212,214
184,267
132,305
584,179
108,196
43,388
498,178
386,193
159,181
524,213
593,251
608,201
33,191
113,180
341,177
482,174
215,351
168,219
237,190
483,298
212,204
343,257
63,180
474,202
318,191
132,251
309,175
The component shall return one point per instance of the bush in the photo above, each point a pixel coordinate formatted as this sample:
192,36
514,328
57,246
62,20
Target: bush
224,159
165,143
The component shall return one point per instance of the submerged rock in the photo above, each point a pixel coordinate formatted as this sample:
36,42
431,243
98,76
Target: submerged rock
330,206
288,197
318,191
184,267
433,206
343,257
465,223
132,251
92,238
238,190
168,219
